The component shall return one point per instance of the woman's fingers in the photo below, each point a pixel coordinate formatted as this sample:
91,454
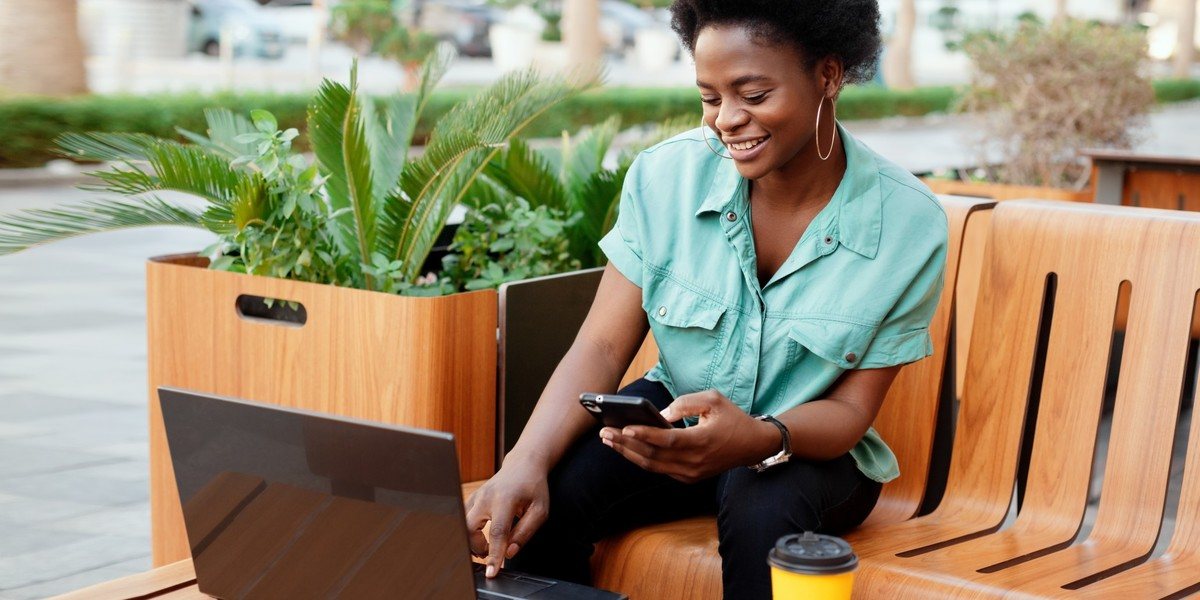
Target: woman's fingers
476,520
525,528
498,535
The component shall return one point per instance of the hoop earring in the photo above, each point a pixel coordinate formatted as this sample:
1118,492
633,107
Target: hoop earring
817,133
704,134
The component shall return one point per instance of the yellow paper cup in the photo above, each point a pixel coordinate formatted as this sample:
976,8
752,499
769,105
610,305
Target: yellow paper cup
811,566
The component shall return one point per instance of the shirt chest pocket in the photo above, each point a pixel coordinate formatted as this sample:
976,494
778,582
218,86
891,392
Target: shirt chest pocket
692,334
818,351
838,342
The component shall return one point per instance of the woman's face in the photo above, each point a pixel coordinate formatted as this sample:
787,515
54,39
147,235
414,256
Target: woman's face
760,99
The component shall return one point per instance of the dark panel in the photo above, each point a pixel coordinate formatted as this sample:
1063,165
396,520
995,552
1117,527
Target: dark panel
538,321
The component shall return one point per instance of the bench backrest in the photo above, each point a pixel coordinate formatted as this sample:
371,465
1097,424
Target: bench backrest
909,416
1050,288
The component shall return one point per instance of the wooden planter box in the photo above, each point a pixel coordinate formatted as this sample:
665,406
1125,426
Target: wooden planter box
422,362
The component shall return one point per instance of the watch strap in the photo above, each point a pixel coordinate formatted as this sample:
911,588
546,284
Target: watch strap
786,450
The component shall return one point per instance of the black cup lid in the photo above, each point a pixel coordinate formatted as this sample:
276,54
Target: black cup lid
813,553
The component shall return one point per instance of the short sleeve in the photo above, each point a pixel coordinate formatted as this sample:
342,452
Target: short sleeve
903,337
622,245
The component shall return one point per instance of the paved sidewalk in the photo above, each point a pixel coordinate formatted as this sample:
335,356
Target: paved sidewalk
73,442
74,500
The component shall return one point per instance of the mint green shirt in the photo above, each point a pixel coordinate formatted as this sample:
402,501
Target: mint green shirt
857,292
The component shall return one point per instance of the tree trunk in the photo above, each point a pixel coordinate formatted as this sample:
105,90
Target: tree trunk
40,49
1185,48
1060,10
581,34
897,63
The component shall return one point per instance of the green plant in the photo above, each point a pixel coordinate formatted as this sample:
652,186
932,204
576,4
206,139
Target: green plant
1044,92
497,244
364,215
571,181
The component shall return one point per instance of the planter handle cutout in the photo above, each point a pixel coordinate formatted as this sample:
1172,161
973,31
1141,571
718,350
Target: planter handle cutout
271,311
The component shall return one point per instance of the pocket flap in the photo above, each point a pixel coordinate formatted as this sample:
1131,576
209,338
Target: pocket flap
838,342
677,306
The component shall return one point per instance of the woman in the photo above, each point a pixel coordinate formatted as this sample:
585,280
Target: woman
787,273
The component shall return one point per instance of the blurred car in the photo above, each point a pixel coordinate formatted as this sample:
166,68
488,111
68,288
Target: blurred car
463,23
620,22
253,33
296,18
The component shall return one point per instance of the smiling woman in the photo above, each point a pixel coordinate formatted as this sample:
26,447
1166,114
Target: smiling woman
787,273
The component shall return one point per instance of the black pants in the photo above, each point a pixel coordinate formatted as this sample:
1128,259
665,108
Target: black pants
595,493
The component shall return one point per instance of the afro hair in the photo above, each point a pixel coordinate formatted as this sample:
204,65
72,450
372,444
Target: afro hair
846,29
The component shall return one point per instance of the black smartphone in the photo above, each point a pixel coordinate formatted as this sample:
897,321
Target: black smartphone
621,411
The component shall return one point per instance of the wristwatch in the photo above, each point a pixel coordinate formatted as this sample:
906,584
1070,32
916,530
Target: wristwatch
784,454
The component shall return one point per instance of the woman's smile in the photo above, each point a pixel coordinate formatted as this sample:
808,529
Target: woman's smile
747,149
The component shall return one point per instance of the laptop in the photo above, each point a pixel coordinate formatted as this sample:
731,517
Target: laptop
285,503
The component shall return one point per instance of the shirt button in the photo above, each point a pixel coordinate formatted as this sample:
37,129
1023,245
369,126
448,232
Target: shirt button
851,357
732,216
662,311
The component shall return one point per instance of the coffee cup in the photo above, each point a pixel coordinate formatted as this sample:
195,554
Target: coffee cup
812,566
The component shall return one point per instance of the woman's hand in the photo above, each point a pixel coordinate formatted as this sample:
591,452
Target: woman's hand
725,437
517,493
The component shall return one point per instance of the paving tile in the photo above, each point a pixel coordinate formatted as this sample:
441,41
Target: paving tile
126,521
17,459
50,564
78,581
23,538
32,511
31,406
75,582
82,486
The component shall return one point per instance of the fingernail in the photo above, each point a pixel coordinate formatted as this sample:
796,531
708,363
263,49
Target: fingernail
512,550
491,571
605,434
607,443
627,432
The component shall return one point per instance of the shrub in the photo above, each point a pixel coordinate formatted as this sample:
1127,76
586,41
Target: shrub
28,126
1044,92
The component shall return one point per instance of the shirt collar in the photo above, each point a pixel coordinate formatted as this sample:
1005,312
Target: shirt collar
856,207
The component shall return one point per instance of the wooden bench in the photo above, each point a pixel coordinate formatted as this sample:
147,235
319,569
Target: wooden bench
680,560
1081,255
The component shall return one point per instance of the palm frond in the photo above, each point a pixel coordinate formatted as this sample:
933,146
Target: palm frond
463,143
485,191
432,71
528,174
31,228
389,135
597,198
584,155
224,126
339,139
175,167
105,146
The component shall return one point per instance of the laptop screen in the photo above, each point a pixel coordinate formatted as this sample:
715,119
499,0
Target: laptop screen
282,503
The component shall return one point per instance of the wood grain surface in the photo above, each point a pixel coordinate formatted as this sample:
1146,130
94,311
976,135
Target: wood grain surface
1091,250
423,362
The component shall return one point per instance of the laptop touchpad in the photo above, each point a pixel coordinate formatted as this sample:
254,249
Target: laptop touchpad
510,584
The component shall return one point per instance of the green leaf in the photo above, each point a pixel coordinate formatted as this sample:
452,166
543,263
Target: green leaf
338,136
108,147
264,121
584,156
528,174
29,228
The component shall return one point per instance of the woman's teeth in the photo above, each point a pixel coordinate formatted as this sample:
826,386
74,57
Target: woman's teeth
748,145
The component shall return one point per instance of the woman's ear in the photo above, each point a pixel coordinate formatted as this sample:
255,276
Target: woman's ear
832,73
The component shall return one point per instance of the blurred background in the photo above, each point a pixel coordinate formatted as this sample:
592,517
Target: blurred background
966,90
145,46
